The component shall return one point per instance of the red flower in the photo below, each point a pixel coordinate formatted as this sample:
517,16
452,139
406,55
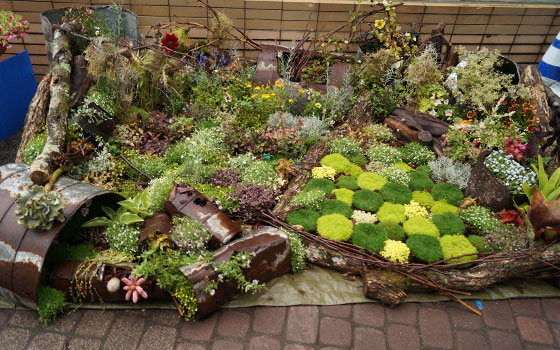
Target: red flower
170,42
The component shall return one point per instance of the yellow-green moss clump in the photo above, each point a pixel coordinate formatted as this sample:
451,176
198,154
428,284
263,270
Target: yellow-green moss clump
341,164
348,182
423,198
335,227
420,226
323,172
396,251
457,245
371,181
390,212
442,206
403,166
415,209
344,194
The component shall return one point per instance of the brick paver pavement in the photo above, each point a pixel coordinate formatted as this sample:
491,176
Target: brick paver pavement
505,324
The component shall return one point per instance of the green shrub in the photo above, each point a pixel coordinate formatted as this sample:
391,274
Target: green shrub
396,193
385,154
367,200
423,198
420,226
151,165
390,212
479,243
261,172
415,153
325,185
312,199
34,148
334,206
348,182
442,206
344,194
303,217
51,303
453,246
449,224
451,193
419,181
335,227
394,231
369,236
371,181
425,248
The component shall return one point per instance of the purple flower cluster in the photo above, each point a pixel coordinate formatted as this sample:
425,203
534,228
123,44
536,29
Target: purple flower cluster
508,238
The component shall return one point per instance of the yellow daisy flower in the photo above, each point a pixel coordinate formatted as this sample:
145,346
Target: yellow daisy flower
318,105
379,23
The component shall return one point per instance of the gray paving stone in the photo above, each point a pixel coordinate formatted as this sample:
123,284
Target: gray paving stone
227,345
25,319
551,307
51,341
303,324
125,333
4,316
298,347
158,337
84,344
534,330
500,340
403,337
233,323
470,341
497,314
526,306
64,323
165,317
189,346
435,330
463,318
14,338
95,323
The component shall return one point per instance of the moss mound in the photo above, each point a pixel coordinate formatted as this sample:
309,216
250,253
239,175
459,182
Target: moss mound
456,246
451,193
390,212
420,181
423,198
449,224
325,185
420,226
367,200
348,182
303,217
353,170
334,206
344,194
425,248
335,227
479,243
394,231
369,236
357,158
336,161
371,181
396,193
441,207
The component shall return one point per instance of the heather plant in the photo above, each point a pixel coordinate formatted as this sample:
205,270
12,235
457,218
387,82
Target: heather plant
254,200
395,174
378,133
424,69
416,153
226,177
511,173
346,146
480,219
261,172
312,199
445,169
189,235
508,238
309,127
159,189
385,154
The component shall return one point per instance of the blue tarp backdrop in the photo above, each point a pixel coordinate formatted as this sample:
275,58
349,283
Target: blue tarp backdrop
17,88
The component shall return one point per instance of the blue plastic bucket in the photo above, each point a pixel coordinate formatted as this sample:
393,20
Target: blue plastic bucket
549,65
17,88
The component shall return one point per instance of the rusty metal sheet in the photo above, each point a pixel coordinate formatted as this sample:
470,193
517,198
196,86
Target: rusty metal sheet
270,258
22,251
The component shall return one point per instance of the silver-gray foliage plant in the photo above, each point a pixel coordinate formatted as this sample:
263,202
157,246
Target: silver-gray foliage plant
445,169
37,209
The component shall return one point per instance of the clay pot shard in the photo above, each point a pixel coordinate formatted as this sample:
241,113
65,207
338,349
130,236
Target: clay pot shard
270,258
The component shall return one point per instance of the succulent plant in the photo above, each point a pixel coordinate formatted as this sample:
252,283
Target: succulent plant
37,209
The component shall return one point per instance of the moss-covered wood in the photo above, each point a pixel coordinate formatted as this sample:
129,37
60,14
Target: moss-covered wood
57,115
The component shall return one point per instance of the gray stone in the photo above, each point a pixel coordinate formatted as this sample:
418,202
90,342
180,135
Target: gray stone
95,323
158,337
84,344
51,341
14,338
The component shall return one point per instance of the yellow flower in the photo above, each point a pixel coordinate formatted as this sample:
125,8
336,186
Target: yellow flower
290,100
318,105
301,91
278,83
379,23
295,85
265,96
257,87
249,85
253,95
273,94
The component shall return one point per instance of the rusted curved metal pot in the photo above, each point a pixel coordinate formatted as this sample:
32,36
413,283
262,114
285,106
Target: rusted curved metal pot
22,250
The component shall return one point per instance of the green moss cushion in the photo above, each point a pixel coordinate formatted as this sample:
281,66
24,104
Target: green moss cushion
417,225
449,224
335,226
425,248
348,182
404,166
344,194
303,217
336,161
353,170
456,246
369,236
325,185
396,193
367,200
419,181
441,207
394,231
371,181
357,158
334,206
451,193
423,198
479,243
390,212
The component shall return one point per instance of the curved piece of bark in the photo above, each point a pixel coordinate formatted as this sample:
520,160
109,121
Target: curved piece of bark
422,121
36,115
402,129
58,106
531,77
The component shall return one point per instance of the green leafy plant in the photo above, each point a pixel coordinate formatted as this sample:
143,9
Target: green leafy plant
420,181
347,182
390,212
131,211
549,187
297,251
455,246
369,236
371,181
34,148
344,194
38,209
51,303
451,193
394,231
311,199
449,224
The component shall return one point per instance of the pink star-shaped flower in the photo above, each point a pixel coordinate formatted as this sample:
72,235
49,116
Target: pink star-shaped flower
133,287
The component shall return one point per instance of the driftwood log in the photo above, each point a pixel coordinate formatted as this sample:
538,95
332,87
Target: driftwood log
36,115
59,106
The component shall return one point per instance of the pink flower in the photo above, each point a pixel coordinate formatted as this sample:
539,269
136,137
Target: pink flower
433,112
133,288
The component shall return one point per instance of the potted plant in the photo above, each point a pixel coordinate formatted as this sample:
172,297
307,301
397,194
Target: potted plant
12,26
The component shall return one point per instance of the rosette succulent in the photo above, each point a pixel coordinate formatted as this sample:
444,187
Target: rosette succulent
37,209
